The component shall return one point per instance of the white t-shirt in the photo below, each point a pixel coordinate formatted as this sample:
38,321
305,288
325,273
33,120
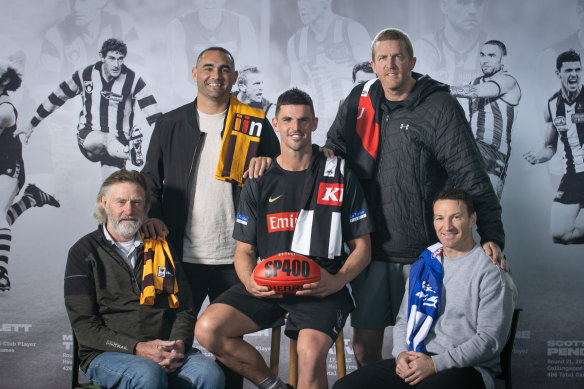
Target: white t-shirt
209,228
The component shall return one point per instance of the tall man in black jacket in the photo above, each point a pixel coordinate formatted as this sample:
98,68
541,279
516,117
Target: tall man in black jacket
407,139
194,169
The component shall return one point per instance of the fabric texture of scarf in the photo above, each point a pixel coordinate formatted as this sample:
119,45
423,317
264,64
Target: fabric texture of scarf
363,120
159,275
318,229
241,140
425,288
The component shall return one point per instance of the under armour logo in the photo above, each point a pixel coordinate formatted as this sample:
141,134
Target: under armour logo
404,126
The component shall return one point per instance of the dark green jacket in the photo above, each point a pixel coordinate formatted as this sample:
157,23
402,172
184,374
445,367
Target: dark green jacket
102,297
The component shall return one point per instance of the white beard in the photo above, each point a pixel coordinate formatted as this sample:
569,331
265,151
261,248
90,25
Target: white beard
125,226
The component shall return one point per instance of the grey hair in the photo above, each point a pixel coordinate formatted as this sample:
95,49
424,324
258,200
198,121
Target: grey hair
119,176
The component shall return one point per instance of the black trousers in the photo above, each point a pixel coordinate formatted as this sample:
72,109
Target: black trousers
212,280
382,375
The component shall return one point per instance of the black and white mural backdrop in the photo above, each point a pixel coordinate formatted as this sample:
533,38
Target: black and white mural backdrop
313,44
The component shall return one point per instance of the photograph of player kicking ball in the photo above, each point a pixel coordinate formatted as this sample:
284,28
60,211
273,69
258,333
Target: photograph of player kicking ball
109,92
275,215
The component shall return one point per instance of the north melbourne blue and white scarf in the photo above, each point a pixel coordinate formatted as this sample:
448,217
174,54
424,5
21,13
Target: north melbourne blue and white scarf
424,296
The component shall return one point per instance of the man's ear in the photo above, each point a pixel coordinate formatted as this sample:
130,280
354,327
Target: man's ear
194,72
275,124
103,202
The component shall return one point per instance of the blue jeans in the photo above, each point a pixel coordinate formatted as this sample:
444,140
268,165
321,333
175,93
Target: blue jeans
119,370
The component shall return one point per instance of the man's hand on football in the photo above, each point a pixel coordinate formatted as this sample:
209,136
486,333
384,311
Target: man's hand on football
259,290
327,285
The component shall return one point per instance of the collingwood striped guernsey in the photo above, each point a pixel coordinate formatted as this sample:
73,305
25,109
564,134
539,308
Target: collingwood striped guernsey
568,119
107,106
492,118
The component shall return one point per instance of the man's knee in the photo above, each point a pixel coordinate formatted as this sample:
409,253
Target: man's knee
200,372
311,355
207,330
135,372
367,345
218,323
312,349
150,378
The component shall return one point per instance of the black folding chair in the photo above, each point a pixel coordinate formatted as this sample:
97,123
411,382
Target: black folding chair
508,351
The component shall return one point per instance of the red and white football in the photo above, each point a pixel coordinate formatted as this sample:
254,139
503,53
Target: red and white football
286,272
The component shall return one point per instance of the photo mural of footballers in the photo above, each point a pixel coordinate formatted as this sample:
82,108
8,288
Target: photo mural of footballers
109,91
12,176
76,39
250,90
362,72
451,54
321,56
211,24
548,56
564,117
493,100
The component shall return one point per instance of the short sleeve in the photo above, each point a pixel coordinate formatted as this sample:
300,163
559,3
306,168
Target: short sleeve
245,229
356,218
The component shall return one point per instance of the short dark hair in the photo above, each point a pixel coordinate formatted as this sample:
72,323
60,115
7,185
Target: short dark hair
567,56
14,77
499,44
123,175
217,48
362,67
294,96
113,44
457,194
242,78
393,34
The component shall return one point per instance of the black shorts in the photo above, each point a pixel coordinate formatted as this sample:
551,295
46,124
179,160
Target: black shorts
496,162
13,168
571,189
326,315
104,158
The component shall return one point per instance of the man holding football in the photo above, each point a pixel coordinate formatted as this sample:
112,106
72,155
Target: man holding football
303,204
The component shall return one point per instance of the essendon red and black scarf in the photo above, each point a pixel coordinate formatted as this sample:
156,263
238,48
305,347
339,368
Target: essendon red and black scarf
364,116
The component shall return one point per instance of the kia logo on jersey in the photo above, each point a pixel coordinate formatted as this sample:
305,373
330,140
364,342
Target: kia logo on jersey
282,221
330,194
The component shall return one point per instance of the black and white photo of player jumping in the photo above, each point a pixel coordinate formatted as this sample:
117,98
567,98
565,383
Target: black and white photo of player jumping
564,118
493,101
109,91
12,175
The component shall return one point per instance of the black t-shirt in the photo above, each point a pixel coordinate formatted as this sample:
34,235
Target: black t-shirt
269,206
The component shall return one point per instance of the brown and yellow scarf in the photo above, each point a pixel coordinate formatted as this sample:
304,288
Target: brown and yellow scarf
159,274
241,140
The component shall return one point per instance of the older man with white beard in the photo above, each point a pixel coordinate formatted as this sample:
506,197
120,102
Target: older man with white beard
128,302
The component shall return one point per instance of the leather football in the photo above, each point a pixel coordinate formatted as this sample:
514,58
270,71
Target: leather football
286,273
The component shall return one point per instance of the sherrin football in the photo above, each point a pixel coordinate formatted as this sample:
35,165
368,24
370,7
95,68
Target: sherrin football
286,272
